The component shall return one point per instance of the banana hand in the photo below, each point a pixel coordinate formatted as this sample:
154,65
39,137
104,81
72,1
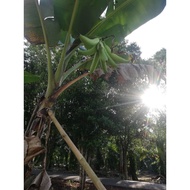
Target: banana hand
115,57
89,43
108,53
119,59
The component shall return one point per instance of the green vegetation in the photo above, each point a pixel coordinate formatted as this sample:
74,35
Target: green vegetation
106,120
59,25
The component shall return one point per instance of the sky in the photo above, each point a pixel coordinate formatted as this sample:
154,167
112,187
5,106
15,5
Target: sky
151,36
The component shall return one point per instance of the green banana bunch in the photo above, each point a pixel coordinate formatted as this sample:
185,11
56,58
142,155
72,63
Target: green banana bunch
103,55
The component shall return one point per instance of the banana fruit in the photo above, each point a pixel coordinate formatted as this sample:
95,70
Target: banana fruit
89,52
115,57
89,43
94,63
103,56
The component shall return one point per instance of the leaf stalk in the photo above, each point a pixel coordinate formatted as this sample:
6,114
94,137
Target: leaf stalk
51,84
59,70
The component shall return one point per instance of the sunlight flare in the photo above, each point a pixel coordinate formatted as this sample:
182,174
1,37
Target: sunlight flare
154,98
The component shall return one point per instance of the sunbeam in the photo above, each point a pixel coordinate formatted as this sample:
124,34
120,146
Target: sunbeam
154,98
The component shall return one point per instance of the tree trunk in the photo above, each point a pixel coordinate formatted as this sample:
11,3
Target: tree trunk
82,178
82,173
133,167
162,158
100,161
123,161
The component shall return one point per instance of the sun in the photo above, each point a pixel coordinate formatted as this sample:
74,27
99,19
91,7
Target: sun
154,98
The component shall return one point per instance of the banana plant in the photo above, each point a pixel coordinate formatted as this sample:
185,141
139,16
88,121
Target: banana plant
90,28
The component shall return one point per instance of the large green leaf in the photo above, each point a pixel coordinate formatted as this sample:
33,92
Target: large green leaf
125,16
121,19
32,26
87,15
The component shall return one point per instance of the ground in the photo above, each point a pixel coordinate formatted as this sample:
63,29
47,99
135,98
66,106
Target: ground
69,181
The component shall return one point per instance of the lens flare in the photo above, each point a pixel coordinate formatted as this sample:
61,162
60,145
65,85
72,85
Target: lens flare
154,98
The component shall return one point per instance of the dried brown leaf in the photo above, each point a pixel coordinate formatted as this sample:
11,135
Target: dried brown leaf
152,73
34,148
33,141
42,181
129,72
29,157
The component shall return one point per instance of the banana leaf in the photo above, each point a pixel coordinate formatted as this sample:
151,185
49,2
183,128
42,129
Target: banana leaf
87,15
125,16
121,18
32,26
